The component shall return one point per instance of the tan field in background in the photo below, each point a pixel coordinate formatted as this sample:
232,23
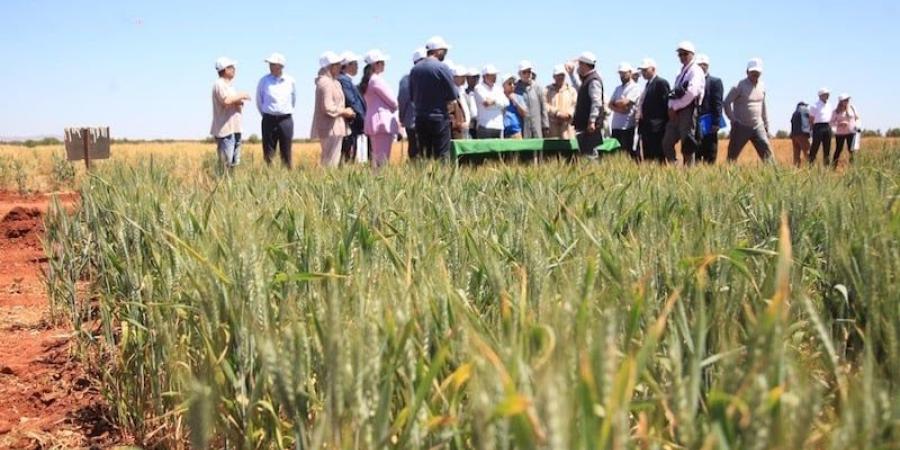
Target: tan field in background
33,168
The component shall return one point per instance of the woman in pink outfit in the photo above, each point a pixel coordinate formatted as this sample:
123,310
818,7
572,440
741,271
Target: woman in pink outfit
382,124
844,122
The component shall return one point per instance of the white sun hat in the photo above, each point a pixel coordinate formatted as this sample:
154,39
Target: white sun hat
625,67
437,43
647,63
843,97
328,58
525,65
687,46
755,65
588,58
374,56
224,63
489,70
277,58
349,57
460,71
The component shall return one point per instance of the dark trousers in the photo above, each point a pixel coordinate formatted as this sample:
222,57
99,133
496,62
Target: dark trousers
683,129
821,137
277,131
588,143
626,141
709,149
434,136
488,133
651,143
348,148
840,141
413,141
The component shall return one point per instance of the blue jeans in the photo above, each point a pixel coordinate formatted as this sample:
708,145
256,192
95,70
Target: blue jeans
229,148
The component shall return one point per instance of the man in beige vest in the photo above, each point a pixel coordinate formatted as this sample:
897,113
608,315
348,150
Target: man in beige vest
560,100
227,107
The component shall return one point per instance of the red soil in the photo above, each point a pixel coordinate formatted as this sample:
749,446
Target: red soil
46,396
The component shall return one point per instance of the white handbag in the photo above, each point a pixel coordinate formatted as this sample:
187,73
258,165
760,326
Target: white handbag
362,149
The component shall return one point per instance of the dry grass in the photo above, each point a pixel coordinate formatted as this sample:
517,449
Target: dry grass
33,168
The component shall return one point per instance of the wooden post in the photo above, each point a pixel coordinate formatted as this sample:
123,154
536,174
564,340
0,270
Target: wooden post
86,140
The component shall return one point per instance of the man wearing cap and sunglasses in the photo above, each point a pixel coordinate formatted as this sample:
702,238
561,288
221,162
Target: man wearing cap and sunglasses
227,107
820,117
355,101
745,107
276,97
560,101
536,123
622,103
590,111
684,100
432,88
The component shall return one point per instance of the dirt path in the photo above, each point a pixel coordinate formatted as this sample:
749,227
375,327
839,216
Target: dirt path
46,398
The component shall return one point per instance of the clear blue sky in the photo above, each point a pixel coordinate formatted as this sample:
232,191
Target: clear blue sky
145,68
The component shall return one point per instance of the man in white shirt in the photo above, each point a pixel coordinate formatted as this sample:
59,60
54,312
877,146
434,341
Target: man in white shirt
684,100
227,107
820,117
623,105
491,101
276,96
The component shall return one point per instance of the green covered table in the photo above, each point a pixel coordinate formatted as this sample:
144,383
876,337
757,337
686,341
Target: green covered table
481,149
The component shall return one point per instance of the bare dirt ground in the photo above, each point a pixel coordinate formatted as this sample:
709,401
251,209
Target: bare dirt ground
46,397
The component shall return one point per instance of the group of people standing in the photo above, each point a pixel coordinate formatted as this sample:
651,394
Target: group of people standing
439,101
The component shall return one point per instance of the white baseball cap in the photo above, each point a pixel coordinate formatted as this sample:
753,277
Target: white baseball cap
687,46
374,56
419,54
224,63
843,97
349,57
507,77
473,72
588,58
276,58
436,43
489,70
459,71
328,58
525,65
625,67
647,63
824,91
755,65
702,59
559,70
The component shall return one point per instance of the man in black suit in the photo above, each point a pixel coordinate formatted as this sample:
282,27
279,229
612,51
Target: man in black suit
710,114
653,113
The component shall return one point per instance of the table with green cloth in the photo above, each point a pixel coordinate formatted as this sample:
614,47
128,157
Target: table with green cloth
481,148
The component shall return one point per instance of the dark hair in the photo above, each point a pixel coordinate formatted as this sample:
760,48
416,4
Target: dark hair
222,72
367,75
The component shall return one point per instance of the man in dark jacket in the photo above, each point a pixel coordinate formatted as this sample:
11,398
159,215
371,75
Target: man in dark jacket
710,114
653,113
353,100
589,108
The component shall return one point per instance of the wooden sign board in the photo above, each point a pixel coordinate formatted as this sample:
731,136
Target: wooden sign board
87,144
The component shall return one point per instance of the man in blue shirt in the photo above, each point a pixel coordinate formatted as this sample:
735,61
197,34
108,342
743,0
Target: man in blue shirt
432,88
355,101
276,96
